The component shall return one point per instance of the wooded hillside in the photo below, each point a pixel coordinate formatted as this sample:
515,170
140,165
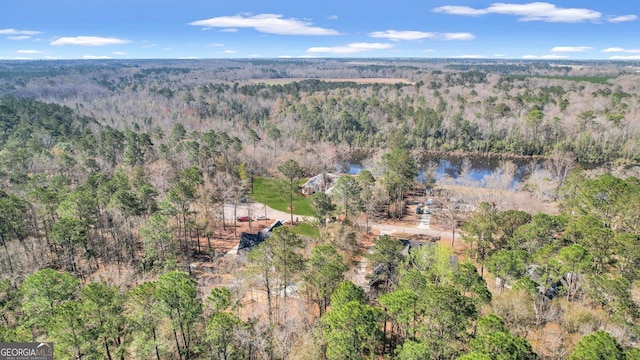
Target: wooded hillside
116,175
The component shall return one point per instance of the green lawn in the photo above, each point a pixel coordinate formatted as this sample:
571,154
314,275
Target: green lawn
306,229
275,194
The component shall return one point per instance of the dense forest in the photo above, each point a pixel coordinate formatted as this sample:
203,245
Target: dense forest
118,176
526,108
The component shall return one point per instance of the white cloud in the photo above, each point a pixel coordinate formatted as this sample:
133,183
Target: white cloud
535,11
622,50
29,52
622,18
266,23
18,32
51,58
119,53
229,30
457,36
540,11
401,35
545,57
572,49
215,45
188,58
350,48
229,52
628,57
95,57
395,35
332,17
460,10
88,41
19,37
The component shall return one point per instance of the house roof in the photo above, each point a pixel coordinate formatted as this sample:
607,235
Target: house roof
320,182
249,240
410,244
270,228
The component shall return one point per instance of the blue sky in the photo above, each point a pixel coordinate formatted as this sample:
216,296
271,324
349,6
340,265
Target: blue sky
148,29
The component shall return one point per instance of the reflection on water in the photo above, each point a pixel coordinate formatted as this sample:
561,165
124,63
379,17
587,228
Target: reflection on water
351,169
476,171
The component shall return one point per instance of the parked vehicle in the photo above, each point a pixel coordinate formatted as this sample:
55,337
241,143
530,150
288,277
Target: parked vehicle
262,217
243,218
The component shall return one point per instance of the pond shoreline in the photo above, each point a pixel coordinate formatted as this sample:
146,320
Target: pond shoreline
360,155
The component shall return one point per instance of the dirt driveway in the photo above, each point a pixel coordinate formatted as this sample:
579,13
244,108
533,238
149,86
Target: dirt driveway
254,210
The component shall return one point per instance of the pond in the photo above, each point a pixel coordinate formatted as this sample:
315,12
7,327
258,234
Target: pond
479,170
351,169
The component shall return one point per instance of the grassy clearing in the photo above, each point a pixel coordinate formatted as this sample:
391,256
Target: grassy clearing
275,194
305,229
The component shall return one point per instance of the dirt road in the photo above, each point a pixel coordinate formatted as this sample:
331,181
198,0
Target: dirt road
420,227
254,210
392,228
